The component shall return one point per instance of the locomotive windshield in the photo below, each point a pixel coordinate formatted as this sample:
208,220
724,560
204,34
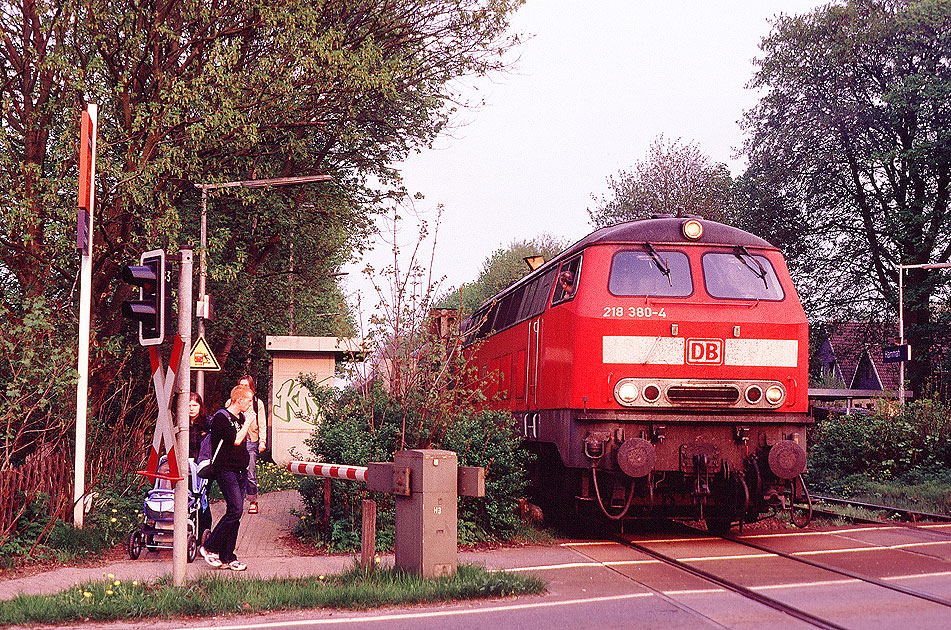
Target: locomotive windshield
740,275
650,272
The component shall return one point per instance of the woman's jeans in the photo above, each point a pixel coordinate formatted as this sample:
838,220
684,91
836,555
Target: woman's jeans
252,491
225,534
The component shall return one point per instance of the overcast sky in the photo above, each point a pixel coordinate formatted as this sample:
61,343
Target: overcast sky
596,82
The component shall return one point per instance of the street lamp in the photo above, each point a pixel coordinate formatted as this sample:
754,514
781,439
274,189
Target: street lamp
901,317
202,265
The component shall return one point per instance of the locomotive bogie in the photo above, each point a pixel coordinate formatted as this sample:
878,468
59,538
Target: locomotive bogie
583,441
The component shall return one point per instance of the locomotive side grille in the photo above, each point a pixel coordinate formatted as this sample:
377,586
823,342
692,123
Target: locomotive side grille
704,394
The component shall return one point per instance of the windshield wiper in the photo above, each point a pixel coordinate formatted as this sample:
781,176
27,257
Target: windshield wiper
662,265
740,251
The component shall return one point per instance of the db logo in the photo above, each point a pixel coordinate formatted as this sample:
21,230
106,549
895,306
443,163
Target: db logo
705,351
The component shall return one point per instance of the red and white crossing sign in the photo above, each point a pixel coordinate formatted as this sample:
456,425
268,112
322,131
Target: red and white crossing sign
163,428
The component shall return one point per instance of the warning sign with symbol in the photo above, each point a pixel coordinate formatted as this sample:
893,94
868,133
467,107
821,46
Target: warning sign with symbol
202,358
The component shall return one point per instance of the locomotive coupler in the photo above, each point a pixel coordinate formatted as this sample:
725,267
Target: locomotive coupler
595,444
773,496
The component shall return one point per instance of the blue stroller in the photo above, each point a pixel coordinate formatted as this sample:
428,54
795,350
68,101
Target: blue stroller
155,531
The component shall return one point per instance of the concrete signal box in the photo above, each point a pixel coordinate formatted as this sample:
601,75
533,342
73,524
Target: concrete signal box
426,534
292,414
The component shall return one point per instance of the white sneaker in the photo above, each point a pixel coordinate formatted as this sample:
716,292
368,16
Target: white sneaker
211,558
235,565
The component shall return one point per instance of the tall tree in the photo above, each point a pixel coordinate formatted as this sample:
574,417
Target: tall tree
675,178
854,130
195,92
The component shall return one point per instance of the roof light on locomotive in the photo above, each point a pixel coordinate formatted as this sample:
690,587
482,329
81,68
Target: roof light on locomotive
692,229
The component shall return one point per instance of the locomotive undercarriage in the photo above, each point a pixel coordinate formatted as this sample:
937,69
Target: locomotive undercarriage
724,469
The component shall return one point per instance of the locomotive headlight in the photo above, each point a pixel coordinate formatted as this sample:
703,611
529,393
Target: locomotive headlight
775,394
625,392
692,229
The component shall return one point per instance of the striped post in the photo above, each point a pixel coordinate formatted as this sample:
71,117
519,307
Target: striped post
334,471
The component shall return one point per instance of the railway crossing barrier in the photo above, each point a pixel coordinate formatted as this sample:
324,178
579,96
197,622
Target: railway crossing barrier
426,484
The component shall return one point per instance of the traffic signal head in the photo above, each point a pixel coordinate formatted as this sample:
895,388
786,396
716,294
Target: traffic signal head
149,309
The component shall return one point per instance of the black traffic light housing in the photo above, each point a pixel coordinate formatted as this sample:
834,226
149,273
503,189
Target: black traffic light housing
149,309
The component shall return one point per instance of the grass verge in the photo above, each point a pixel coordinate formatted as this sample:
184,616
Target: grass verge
112,599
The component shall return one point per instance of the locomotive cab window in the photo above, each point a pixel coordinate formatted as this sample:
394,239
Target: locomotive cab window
566,284
740,275
650,272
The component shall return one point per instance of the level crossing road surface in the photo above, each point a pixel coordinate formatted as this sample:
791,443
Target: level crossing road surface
591,584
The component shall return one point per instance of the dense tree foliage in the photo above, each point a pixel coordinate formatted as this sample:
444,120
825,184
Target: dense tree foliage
674,179
503,267
853,137
191,92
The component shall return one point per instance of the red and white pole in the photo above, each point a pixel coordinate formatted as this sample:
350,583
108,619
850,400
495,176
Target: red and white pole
334,471
84,226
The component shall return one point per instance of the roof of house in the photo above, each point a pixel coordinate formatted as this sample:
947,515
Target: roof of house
853,350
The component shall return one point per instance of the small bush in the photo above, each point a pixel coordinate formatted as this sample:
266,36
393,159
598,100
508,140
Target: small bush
357,428
115,512
272,477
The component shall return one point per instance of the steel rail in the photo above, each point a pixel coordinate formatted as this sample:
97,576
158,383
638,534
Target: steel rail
886,508
739,589
843,572
852,518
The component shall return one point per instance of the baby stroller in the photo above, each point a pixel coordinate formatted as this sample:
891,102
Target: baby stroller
155,532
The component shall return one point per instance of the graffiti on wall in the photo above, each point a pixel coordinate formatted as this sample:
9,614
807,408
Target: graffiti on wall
293,400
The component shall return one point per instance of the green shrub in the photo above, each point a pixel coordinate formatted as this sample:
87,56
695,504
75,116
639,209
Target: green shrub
116,510
908,445
359,427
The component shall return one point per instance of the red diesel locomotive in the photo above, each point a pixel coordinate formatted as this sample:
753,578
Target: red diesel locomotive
656,368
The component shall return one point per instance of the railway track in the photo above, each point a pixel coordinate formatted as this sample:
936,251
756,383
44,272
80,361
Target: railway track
749,591
907,516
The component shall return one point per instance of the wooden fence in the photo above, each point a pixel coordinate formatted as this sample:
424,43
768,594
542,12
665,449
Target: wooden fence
47,470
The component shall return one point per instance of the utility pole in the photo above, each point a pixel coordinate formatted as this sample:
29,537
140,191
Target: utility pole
202,292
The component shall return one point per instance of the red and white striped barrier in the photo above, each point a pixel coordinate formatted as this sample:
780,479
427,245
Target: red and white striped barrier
334,471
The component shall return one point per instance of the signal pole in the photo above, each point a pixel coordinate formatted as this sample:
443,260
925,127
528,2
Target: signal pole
901,318
84,231
183,389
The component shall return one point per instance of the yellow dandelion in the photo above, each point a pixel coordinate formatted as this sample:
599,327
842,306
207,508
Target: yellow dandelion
109,592
112,520
320,577
135,582
111,576
116,583
115,511
87,594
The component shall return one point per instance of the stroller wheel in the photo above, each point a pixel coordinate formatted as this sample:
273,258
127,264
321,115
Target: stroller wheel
192,548
135,544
